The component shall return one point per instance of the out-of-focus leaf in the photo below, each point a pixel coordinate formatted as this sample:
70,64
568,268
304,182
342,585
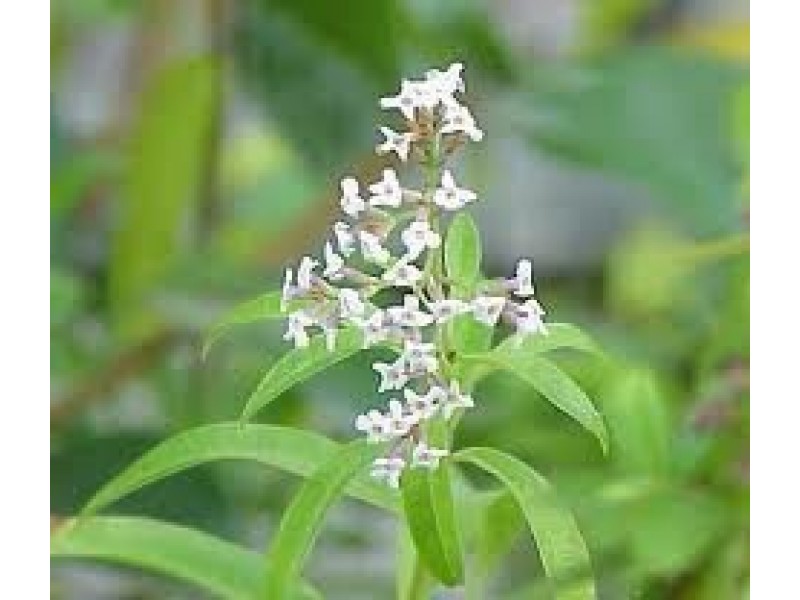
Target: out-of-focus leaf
561,546
66,295
319,70
672,531
638,423
727,40
198,558
428,506
645,273
266,306
652,116
72,177
462,254
167,153
303,519
299,364
607,23
293,450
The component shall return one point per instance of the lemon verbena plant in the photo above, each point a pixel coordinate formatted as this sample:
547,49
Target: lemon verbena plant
399,276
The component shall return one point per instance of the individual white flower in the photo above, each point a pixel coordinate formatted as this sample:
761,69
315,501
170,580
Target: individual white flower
427,456
373,329
393,376
455,399
487,309
288,289
387,191
305,273
372,249
522,284
375,425
451,197
345,238
446,83
296,326
388,469
423,405
417,237
412,95
399,420
395,142
529,318
351,306
352,203
458,119
420,356
444,310
402,274
408,314
334,264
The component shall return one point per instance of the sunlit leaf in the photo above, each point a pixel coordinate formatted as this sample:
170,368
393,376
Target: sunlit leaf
563,552
302,520
462,254
299,364
220,567
293,450
167,155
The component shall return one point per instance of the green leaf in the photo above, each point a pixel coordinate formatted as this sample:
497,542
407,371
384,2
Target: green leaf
220,567
651,116
167,156
428,505
638,423
293,450
266,306
551,382
561,547
303,518
298,365
462,254
560,336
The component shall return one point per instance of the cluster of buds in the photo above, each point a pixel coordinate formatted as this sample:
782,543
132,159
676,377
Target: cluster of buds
390,240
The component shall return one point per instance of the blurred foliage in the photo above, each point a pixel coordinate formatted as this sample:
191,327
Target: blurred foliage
665,514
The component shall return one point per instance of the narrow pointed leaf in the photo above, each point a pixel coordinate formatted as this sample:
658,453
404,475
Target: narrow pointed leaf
428,505
563,552
220,567
303,519
553,384
293,450
266,306
299,364
462,254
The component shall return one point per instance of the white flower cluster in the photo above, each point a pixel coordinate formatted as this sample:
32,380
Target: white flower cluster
362,259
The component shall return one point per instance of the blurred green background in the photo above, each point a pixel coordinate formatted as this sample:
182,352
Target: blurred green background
196,149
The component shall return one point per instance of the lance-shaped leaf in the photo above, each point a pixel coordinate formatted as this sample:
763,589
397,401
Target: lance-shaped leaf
293,450
428,504
298,365
549,380
561,547
462,254
303,518
266,306
220,567
430,513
